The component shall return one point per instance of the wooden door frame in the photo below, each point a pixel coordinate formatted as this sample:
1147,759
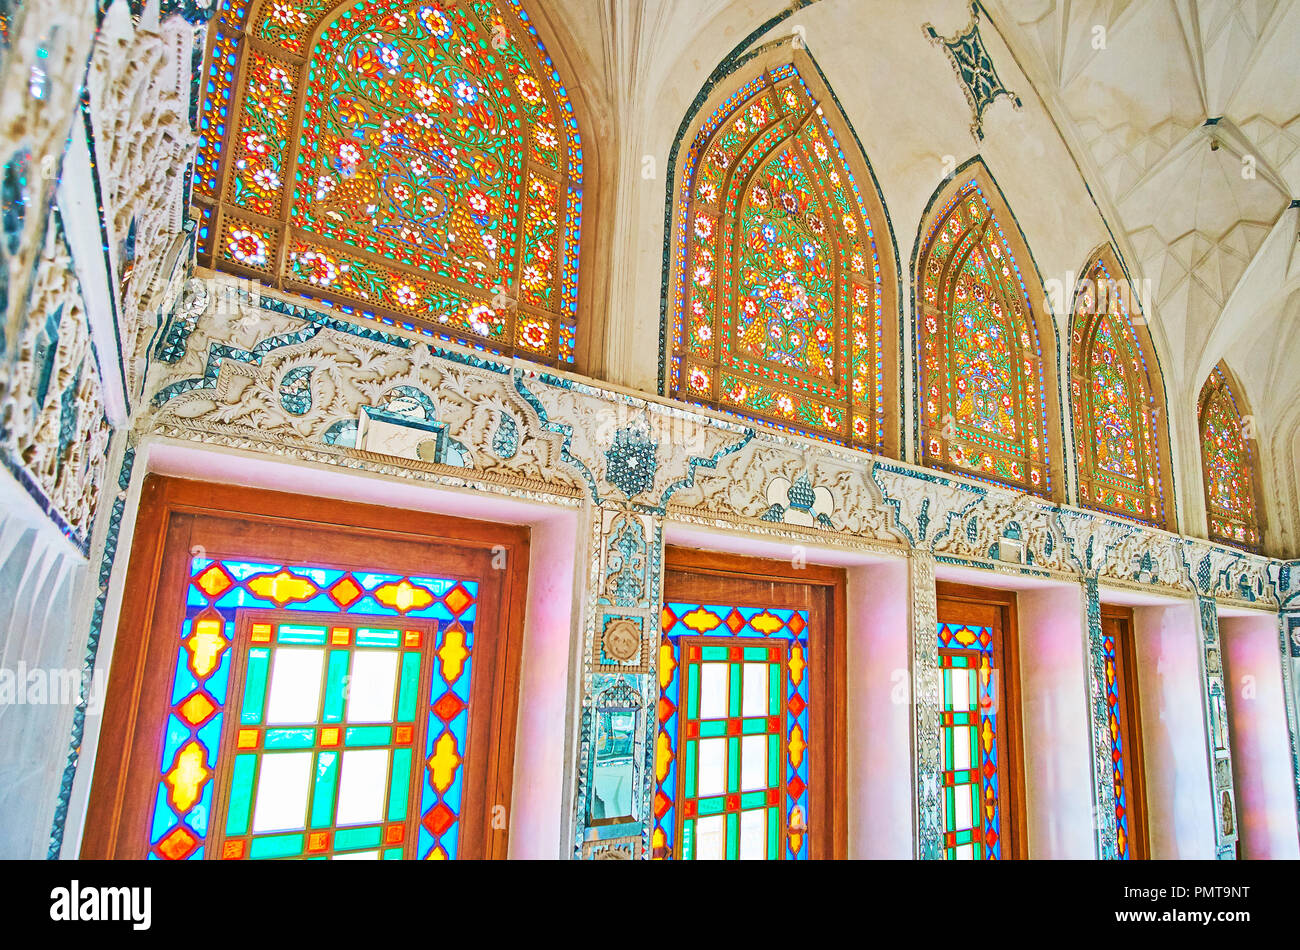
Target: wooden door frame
829,804
121,794
1131,708
1017,821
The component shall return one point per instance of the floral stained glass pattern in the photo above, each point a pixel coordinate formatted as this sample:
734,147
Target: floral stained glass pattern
1228,463
732,751
311,767
778,307
984,393
968,739
414,162
1117,399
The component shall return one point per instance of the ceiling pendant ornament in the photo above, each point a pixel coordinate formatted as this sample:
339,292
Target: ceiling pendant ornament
974,66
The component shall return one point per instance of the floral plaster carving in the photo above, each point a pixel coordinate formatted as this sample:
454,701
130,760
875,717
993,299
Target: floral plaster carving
40,71
139,86
53,430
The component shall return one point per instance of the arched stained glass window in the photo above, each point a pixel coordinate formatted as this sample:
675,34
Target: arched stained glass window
413,162
781,308
1118,400
1228,462
987,389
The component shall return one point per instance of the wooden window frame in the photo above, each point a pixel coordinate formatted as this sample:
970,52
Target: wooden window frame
133,725
1014,833
1130,727
714,577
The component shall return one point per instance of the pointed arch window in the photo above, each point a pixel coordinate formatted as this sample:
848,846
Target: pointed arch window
1117,397
781,307
986,383
1228,462
416,162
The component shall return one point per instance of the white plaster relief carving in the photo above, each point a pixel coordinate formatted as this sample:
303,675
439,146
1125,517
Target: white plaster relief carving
139,85
51,403
49,41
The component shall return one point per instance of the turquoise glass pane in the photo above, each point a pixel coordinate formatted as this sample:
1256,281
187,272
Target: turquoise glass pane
241,794
368,735
298,633
377,637
259,663
323,790
711,806
276,846
336,679
348,839
408,690
691,751
289,739
399,784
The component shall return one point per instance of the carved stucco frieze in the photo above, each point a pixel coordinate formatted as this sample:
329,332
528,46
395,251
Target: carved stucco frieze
1227,574
139,89
52,424
268,377
785,484
1019,528
40,71
292,377
926,507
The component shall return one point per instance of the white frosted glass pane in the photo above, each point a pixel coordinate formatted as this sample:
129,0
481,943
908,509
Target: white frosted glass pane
282,786
960,680
713,767
753,690
713,690
965,852
961,747
371,686
753,835
295,685
962,807
710,839
357,856
753,763
362,784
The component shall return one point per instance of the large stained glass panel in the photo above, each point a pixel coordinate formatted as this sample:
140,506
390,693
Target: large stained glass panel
982,374
1228,463
731,754
779,304
969,742
416,162
315,712
1117,400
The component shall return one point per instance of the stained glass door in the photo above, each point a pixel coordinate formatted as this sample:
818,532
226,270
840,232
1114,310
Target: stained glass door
976,722
312,690
745,749
1123,720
